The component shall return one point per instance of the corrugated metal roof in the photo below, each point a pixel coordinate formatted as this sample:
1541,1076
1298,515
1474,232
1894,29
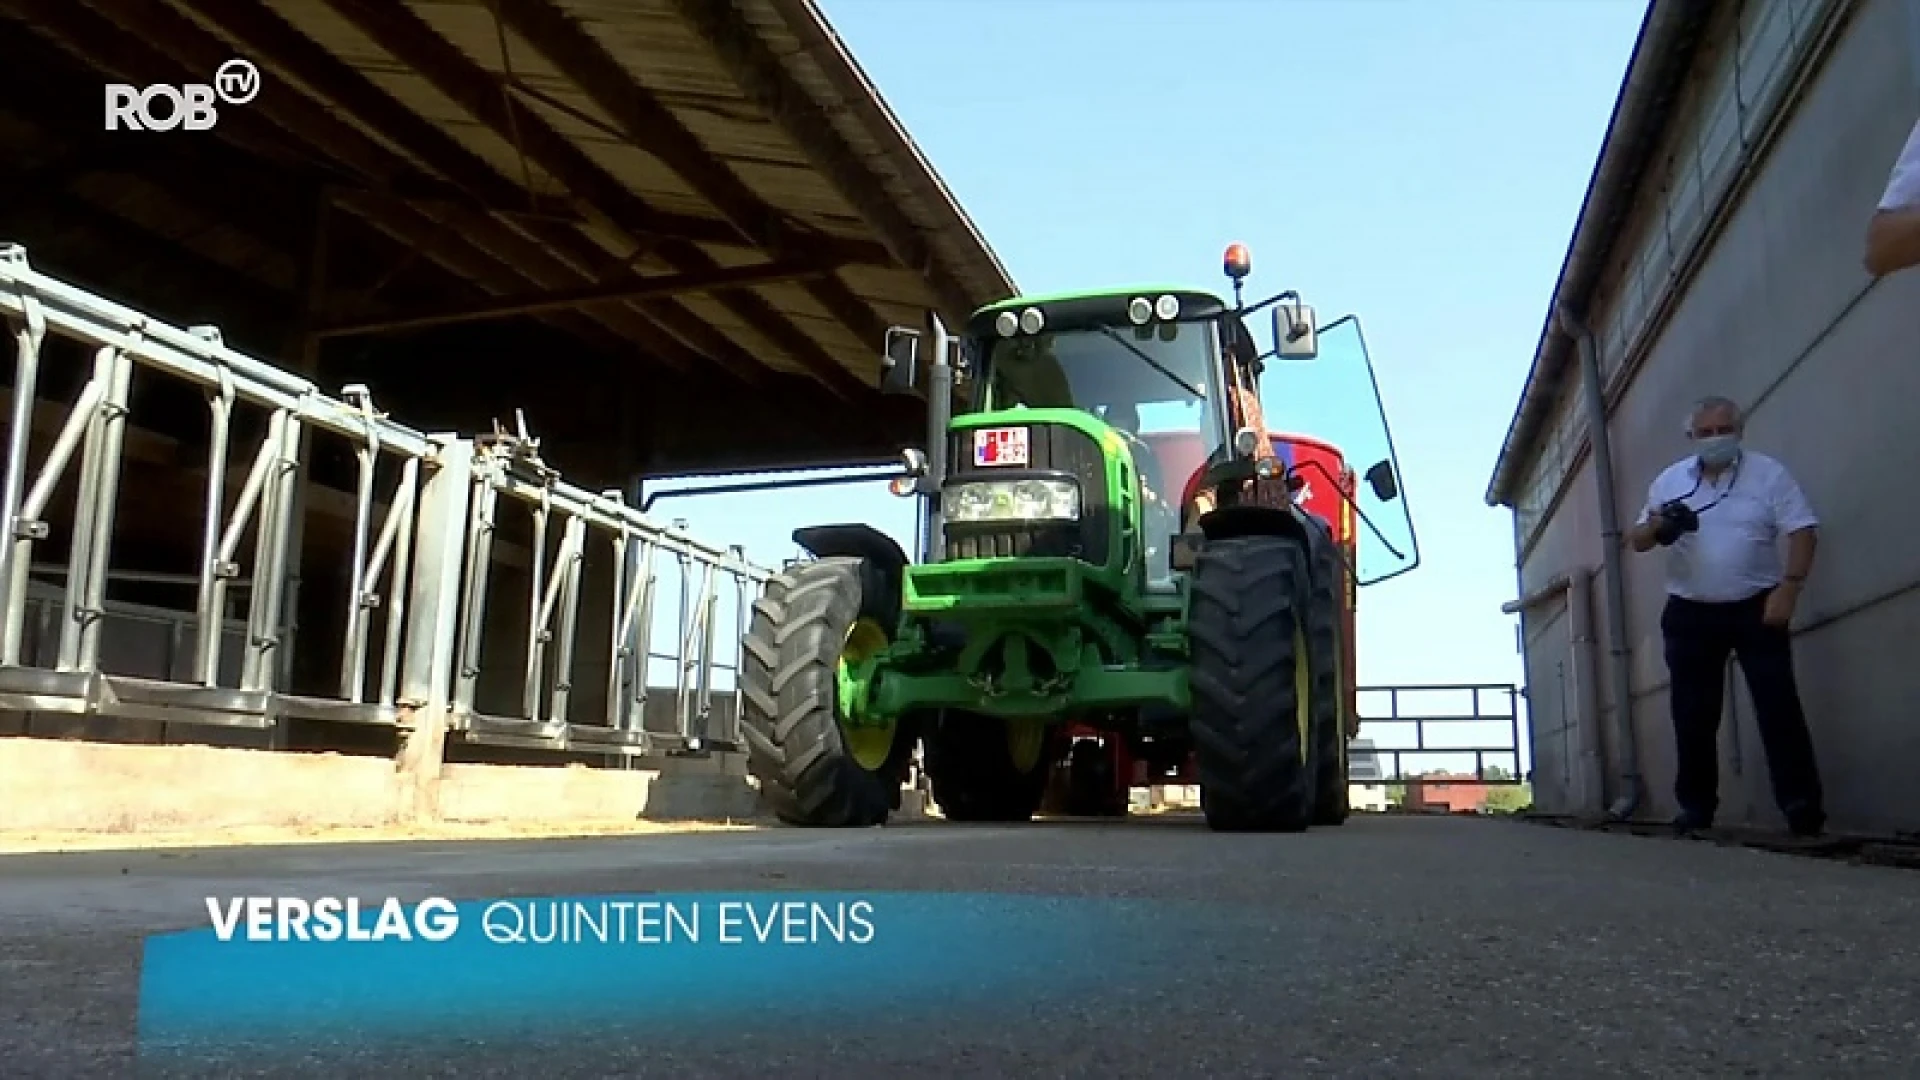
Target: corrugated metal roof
572,142
1662,57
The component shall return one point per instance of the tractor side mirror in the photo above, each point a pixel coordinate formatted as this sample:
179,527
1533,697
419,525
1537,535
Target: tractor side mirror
1295,335
1380,479
899,366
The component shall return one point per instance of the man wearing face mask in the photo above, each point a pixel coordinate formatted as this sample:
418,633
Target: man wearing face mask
1720,513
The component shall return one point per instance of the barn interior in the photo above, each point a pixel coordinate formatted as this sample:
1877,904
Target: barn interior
668,235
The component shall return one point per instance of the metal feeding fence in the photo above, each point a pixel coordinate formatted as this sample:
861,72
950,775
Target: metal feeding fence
428,615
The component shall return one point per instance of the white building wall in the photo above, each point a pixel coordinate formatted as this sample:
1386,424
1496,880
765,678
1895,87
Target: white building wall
1770,306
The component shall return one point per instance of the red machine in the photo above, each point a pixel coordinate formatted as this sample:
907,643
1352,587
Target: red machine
1326,489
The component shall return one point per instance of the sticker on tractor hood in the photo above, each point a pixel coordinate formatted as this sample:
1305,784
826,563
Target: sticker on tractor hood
1000,446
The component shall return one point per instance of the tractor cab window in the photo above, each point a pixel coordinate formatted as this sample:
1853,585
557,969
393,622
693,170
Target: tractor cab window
1151,383
1095,368
1333,398
1156,385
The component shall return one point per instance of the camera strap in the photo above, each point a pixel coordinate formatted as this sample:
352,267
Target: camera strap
1720,492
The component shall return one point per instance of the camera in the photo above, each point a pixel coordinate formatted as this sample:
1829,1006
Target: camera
1676,520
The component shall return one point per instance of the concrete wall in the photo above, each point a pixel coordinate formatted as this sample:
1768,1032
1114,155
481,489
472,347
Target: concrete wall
58,785
1781,316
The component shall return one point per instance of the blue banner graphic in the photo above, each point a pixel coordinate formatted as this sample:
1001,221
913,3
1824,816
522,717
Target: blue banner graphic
288,971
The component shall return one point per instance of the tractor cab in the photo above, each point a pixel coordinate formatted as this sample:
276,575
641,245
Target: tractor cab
1145,363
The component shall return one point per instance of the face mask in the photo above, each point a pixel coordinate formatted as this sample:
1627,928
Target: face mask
1718,450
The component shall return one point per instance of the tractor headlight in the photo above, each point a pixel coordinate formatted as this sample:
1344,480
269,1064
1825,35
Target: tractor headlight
1012,500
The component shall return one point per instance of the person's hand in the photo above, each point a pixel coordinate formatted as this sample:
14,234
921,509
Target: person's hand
1780,604
1676,519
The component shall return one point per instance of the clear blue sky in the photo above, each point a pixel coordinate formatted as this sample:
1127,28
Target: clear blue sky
1419,164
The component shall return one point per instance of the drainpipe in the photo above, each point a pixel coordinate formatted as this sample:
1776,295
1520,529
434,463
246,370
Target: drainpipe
1586,687
937,345
1612,541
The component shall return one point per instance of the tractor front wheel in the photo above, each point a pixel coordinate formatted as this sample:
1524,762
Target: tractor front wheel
1251,680
804,668
1325,646
984,768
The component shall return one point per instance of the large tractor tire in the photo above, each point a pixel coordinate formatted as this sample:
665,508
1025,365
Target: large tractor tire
813,628
1327,665
1252,684
983,768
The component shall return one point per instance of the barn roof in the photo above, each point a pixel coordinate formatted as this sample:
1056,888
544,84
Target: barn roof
712,187
1662,57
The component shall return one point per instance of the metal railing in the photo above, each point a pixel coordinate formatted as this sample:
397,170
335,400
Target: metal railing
421,604
509,469
1473,722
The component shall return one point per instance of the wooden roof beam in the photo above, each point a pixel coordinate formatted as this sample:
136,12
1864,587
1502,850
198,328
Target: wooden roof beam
568,299
569,47
746,56
558,257
471,181
68,125
140,59
667,224
148,35
195,287
155,24
285,50
477,265
409,39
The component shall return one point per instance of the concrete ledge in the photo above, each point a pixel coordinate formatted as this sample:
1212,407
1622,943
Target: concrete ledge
74,786
1899,850
67,841
57,784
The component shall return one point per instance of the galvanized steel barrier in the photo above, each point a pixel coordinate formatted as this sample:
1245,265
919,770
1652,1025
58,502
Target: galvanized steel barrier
1440,726
421,579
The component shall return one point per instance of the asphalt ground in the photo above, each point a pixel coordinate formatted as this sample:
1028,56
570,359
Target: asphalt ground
1390,947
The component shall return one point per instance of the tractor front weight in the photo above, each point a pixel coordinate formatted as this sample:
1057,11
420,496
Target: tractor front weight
1013,694
1018,661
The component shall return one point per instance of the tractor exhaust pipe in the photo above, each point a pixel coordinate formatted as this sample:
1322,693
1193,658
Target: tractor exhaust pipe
939,414
1612,568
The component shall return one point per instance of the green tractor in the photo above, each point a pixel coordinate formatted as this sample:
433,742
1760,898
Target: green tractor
1111,545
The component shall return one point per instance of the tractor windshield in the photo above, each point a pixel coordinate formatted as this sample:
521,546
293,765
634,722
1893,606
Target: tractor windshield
1333,397
1153,377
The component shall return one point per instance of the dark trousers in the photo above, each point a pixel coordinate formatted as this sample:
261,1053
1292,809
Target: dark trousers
1699,637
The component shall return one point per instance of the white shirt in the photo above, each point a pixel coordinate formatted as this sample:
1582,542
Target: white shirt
1903,186
1735,554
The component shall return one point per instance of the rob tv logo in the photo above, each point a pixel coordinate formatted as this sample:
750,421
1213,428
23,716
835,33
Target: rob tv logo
194,106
